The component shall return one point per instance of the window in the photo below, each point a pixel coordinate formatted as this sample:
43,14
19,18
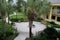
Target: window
53,17
58,10
58,19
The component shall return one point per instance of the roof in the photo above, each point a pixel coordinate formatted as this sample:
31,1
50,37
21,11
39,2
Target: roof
55,4
54,1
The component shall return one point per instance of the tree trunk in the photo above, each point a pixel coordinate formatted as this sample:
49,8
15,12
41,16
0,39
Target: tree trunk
3,24
16,16
3,27
30,28
44,21
8,17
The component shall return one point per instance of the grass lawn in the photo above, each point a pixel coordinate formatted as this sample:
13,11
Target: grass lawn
20,16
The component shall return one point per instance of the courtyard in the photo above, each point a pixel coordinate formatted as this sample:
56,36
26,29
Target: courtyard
29,19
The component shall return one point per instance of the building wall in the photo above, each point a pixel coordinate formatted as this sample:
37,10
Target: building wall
54,15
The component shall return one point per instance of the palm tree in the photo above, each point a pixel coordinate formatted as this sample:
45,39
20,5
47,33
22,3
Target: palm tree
31,16
36,7
9,8
3,11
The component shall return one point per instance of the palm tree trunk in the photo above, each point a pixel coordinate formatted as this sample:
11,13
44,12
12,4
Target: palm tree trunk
44,21
30,28
16,16
3,25
8,18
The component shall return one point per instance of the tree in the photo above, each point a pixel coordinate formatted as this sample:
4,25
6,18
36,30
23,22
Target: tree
19,5
3,11
43,8
9,8
36,7
31,15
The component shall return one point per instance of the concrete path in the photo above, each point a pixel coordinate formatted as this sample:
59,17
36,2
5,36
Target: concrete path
23,29
22,36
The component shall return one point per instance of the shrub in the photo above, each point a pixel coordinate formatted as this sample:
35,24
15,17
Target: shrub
53,24
39,19
51,32
14,20
46,34
58,33
17,20
41,36
9,31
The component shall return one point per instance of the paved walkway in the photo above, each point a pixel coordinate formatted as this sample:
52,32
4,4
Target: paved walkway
23,29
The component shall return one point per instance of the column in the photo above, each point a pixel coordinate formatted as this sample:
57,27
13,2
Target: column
55,18
50,15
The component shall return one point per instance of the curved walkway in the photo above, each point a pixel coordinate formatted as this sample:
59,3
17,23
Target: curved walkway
23,29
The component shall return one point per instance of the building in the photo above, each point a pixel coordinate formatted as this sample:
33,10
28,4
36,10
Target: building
54,14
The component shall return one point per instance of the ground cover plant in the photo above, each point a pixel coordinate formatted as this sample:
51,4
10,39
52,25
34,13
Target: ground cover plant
10,32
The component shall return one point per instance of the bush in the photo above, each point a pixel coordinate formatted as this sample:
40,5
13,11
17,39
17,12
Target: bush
14,20
41,36
9,31
39,19
53,24
17,20
46,34
58,34
51,32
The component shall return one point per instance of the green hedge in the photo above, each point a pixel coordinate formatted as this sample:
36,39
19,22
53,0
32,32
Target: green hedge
17,20
39,19
53,24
